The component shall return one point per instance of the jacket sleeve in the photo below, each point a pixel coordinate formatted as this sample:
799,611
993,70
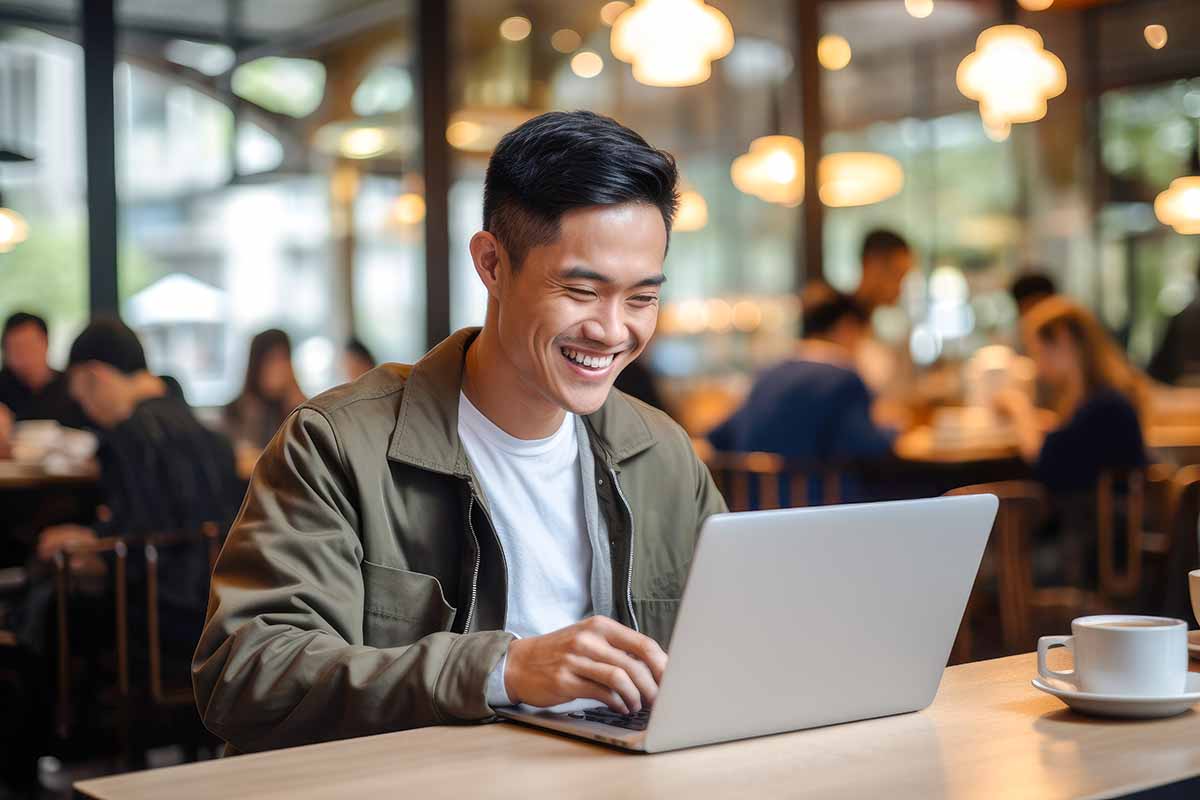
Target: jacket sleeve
281,661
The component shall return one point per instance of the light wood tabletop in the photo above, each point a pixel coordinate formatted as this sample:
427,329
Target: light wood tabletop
989,734
15,475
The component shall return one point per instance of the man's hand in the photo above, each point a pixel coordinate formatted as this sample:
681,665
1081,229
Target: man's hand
598,658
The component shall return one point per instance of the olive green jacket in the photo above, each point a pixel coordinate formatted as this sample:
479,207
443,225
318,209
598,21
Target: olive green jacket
362,588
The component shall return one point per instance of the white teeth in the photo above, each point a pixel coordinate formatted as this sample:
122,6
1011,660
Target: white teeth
591,362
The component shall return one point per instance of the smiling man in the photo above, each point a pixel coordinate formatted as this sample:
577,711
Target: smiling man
493,524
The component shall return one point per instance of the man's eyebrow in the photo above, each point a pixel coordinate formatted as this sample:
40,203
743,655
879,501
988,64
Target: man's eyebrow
585,274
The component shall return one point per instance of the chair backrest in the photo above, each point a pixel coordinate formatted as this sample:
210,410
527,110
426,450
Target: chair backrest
1139,498
1183,548
767,480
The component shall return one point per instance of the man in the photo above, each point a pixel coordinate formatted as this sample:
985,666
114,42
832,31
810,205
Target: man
887,369
815,406
402,531
29,388
1177,360
1031,288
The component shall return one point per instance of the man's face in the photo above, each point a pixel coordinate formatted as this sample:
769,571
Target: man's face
25,349
580,309
886,273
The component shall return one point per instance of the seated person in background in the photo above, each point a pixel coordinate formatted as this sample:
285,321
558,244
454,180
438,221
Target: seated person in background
1032,287
491,525
813,407
1096,395
29,388
356,359
269,393
636,380
1177,360
886,368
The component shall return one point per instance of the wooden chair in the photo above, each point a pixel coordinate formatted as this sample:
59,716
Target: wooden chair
1143,506
1182,545
756,480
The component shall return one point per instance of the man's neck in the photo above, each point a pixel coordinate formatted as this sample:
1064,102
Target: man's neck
491,383
39,380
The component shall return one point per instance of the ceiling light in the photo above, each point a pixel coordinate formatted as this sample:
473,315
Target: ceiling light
771,170
1011,74
858,179
13,229
918,8
565,40
1035,5
833,52
1179,205
671,42
364,142
1156,36
693,212
408,209
515,28
587,64
610,12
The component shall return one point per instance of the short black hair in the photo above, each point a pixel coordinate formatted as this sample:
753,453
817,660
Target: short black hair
23,318
1031,284
882,242
111,342
561,161
822,316
356,347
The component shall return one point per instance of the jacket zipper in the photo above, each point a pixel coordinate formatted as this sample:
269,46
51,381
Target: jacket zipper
475,574
629,576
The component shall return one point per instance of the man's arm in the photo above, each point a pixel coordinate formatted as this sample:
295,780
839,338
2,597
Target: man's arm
281,660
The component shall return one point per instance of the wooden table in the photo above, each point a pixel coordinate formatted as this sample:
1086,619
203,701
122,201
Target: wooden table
14,475
989,734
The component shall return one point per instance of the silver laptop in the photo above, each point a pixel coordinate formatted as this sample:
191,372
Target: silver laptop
804,617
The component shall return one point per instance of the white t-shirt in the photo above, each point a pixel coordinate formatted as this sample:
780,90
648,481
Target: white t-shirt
534,494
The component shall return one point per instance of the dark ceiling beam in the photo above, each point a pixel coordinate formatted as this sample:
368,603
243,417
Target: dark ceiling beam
66,25
322,33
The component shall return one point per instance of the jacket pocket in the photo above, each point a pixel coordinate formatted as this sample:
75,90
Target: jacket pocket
400,606
656,618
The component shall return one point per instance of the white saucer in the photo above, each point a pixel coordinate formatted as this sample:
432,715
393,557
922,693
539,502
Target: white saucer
1194,644
1108,705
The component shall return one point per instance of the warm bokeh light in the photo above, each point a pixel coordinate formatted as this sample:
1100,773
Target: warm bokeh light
408,209
858,179
1156,36
771,170
1035,5
363,142
1179,205
610,12
693,212
587,64
747,315
479,129
833,52
13,229
671,42
1011,74
565,40
463,134
720,315
691,316
515,28
918,8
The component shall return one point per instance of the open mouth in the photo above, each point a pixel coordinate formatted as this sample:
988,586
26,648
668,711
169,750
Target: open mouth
588,362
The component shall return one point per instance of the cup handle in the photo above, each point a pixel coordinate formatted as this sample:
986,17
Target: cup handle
1044,645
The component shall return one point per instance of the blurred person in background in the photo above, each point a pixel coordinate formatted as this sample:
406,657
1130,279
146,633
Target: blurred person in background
269,393
638,380
887,369
29,387
1032,287
161,471
356,359
814,406
1177,360
1096,396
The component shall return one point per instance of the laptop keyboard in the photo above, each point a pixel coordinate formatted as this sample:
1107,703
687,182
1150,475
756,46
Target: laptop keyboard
601,714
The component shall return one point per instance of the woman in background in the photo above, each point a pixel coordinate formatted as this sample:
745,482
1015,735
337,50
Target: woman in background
269,393
1097,398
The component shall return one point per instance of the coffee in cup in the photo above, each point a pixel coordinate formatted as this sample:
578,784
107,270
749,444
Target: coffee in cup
1123,654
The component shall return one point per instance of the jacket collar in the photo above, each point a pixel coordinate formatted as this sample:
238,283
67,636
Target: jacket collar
426,432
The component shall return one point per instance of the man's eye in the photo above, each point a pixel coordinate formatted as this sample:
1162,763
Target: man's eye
644,299
581,292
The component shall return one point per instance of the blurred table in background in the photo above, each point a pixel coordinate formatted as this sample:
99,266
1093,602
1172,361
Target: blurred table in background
17,475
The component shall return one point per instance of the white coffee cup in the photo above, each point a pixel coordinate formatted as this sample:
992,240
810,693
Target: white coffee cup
1194,587
1123,654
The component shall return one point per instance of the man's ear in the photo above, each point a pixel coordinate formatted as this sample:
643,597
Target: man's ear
490,262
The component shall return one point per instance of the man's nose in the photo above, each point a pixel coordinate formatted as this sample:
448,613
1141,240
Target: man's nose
607,325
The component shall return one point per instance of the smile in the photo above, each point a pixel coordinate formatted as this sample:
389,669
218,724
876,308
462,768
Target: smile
590,362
